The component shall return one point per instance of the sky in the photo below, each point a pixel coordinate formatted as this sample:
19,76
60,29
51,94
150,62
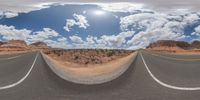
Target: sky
94,24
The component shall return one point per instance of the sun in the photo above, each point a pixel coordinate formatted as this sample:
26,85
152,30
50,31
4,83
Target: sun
99,12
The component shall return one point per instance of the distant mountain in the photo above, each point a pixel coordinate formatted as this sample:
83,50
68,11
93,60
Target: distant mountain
20,45
195,44
170,44
1,43
14,45
174,46
39,44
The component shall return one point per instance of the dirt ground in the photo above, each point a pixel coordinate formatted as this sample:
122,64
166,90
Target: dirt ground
87,56
93,69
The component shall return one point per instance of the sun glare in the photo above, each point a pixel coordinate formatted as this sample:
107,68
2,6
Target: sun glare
99,12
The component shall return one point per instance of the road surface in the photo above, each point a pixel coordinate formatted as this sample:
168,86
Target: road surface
150,77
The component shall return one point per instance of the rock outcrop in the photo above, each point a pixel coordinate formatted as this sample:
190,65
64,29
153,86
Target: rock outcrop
39,45
175,46
195,44
1,43
20,45
170,44
14,45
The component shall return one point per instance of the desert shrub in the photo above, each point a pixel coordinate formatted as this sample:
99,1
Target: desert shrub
86,62
76,57
110,53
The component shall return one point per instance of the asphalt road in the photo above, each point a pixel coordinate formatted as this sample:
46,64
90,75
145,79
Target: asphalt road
150,77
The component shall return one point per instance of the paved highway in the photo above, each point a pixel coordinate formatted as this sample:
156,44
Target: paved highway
150,77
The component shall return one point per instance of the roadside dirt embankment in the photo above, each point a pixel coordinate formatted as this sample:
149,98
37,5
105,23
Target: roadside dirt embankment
91,74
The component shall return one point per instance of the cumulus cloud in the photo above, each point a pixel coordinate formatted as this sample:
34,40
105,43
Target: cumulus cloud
46,33
78,42
115,40
104,41
79,20
196,33
61,42
156,26
62,39
76,39
69,24
10,32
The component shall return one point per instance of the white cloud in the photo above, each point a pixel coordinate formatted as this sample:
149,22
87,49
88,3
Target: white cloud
156,26
196,31
62,39
76,39
90,40
13,8
10,14
121,7
46,33
61,42
115,40
10,32
69,24
88,43
79,20
104,41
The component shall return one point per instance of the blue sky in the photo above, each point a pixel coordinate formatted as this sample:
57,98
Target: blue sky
55,17
129,26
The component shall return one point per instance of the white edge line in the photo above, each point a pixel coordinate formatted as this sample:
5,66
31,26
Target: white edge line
164,84
22,79
11,57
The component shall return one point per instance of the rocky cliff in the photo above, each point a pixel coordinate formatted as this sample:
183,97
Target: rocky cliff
195,44
170,44
174,46
20,45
